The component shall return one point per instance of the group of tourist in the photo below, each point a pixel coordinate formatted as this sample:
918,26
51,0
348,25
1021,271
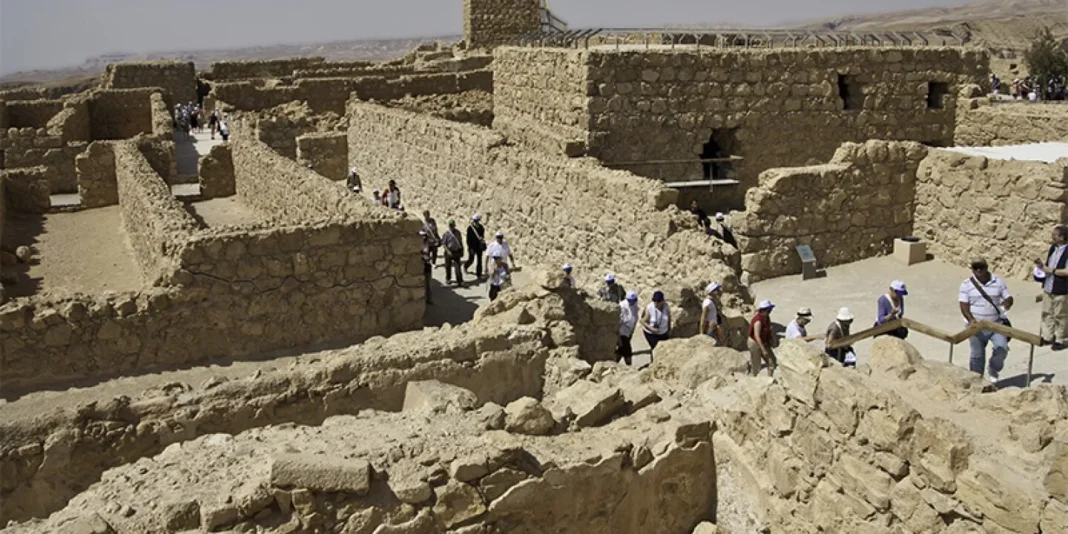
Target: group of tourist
190,118
1030,88
498,253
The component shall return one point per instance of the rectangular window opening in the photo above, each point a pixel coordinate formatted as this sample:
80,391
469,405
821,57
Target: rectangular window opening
936,94
850,93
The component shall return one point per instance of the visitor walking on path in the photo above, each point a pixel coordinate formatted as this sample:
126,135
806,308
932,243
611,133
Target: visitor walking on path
985,297
656,321
710,319
891,307
354,183
453,242
500,247
722,231
1053,275
499,276
428,265
839,329
476,245
393,195
430,226
796,329
569,281
612,291
759,340
628,322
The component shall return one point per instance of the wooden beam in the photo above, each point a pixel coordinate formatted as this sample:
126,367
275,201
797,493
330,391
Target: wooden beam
1014,333
929,330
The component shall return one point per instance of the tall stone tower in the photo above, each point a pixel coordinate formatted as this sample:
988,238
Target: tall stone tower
491,23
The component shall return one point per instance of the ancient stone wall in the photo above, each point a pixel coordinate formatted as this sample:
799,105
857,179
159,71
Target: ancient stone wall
847,210
764,106
120,113
216,173
981,123
156,224
26,189
32,113
276,68
177,79
162,121
971,207
330,94
27,147
72,122
543,204
491,23
161,155
325,153
5,120
97,182
335,70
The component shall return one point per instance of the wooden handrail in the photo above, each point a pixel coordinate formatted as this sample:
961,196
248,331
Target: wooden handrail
952,339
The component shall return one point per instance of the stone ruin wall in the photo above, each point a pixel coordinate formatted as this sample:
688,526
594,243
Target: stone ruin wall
338,70
28,188
491,23
121,113
325,153
32,113
222,71
320,251
661,104
847,210
97,176
29,147
176,79
162,121
216,173
72,123
973,207
981,123
545,205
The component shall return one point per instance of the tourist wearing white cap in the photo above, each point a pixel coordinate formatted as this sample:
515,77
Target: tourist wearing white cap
476,245
796,329
498,276
569,281
710,319
628,322
891,307
430,226
837,330
501,248
759,340
353,182
612,291
721,231
656,321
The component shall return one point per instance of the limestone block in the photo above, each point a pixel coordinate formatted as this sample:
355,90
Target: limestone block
528,416
940,451
469,468
588,403
436,397
457,502
320,473
708,528
894,356
865,480
93,524
1056,480
800,366
1001,495
694,360
497,483
1054,517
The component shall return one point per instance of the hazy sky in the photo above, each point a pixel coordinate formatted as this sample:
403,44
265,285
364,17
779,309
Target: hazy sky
38,34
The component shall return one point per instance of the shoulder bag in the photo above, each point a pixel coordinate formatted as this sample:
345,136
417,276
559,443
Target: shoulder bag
1001,316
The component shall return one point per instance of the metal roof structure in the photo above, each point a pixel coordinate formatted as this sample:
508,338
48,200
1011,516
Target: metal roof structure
549,36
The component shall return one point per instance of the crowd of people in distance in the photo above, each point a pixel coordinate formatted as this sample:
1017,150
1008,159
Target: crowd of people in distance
1031,89
190,119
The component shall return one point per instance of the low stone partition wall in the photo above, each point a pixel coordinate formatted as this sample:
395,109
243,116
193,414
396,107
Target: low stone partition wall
121,113
222,71
216,173
982,123
554,210
97,183
72,122
157,224
5,120
341,70
176,79
847,210
29,147
27,189
975,207
162,121
32,113
325,153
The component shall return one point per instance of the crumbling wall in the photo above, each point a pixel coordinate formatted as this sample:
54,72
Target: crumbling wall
32,113
27,147
27,189
276,68
325,153
491,23
162,121
971,207
72,122
120,113
774,108
156,224
543,204
847,210
177,79
97,182
982,123
161,155
216,172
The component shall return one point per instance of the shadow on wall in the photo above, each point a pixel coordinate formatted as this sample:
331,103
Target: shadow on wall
21,229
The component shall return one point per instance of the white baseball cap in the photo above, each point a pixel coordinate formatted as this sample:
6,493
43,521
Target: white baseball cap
720,216
567,267
477,217
500,234
845,314
610,277
899,287
632,295
766,305
713,287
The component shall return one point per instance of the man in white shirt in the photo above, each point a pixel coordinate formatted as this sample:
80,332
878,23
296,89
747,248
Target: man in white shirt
656,321
1053,275
501,248
985,297
628,322
710,321
796,329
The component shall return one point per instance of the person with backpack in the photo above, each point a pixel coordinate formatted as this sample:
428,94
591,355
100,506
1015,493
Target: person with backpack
453,242
985,297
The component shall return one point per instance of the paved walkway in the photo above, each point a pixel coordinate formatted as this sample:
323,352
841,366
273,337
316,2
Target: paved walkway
190,148
933,289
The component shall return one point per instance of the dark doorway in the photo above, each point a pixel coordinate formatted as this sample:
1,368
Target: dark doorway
936,94
850,92
722,144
